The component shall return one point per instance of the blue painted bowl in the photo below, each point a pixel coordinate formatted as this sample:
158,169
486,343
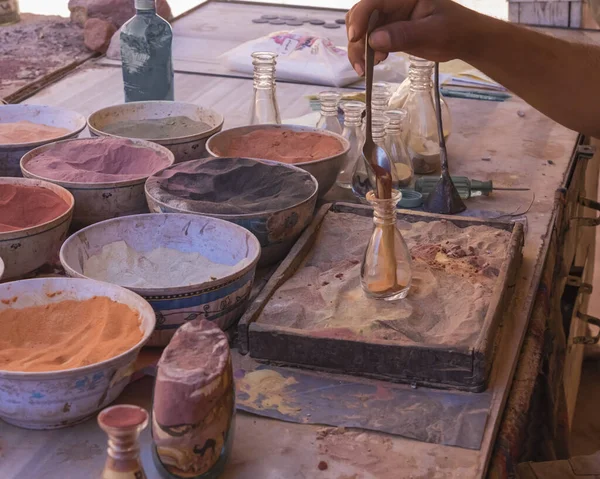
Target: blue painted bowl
223,300
276,230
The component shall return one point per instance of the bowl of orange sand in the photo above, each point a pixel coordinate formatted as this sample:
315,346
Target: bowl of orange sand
34,219
320,152
24,127
67,348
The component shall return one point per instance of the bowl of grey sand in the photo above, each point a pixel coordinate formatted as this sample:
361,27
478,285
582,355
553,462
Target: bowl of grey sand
320,152
181,127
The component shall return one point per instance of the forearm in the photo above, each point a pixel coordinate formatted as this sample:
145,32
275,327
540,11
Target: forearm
559,78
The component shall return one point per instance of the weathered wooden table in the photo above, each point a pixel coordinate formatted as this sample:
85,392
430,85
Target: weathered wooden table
526,150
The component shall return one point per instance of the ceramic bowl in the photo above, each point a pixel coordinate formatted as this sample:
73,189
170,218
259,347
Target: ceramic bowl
1,269
276,230
47,115
25,250
96,202
184,148
223,300
55,399
324,170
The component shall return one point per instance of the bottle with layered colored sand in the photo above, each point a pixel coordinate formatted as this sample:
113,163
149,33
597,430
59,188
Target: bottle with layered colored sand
123,424
146,55
264,109
386,270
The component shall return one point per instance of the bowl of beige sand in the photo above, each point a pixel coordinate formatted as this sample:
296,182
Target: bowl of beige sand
25,127
67,348
186,266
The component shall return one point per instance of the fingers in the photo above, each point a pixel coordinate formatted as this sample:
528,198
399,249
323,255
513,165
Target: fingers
358,18
402,36
356,55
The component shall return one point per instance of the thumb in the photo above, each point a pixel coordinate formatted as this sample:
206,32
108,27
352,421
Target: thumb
400,36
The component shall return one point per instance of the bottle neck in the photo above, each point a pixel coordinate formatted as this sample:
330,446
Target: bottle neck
264,70
145,6
329,109
420,73
353,111
384,210
353,120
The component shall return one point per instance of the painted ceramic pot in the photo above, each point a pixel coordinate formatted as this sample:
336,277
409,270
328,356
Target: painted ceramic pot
184,148
222,300
23,251
10,155
96,202
276,230
55,399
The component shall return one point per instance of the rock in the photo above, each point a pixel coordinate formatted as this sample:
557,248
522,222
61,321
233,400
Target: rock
116,12
97,34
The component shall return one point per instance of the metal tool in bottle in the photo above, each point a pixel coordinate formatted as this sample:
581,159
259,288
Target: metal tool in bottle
467,188
375,155
444,199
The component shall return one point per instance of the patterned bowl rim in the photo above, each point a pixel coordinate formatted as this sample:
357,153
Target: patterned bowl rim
175,290
152,183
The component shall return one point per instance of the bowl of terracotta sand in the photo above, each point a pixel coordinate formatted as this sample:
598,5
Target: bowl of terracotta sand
185,266
73,352
35,216
24,127
181,127
272,200
321,153
105,175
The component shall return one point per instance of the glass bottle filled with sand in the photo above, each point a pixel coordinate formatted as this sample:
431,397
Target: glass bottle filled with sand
264,107
395,146
386,270
423,140
353,132
329,120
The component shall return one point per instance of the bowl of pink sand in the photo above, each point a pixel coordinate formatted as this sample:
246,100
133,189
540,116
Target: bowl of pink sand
320,152
105,175
35,216
181,127
24,127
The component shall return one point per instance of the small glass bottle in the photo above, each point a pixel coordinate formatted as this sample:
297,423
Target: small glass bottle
353,132
264,105
363,177
329,120
386,271
123,424
423,140
146,55
396,147
380,98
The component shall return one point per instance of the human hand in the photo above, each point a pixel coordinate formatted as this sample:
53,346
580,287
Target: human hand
438,30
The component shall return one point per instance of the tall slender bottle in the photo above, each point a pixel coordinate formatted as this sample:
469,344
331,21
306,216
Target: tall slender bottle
146,55
353,132
329,121
264,107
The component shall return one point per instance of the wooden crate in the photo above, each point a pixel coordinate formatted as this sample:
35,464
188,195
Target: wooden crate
555,13
444,366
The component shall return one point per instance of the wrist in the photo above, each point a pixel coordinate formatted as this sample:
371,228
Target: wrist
480,37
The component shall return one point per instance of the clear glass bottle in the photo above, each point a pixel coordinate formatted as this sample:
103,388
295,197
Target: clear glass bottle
353,132
264,105
394,142
423,140
123,424
386,270
380,98
146,55
363,177
329,120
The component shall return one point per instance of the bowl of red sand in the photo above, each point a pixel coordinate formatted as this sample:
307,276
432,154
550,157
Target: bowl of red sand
181,127
321,153
272,200
105,175
24,127
35,216
67,348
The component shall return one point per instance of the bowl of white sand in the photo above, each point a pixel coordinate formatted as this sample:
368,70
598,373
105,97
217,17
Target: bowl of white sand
73,351
181,127
25,127
186,266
